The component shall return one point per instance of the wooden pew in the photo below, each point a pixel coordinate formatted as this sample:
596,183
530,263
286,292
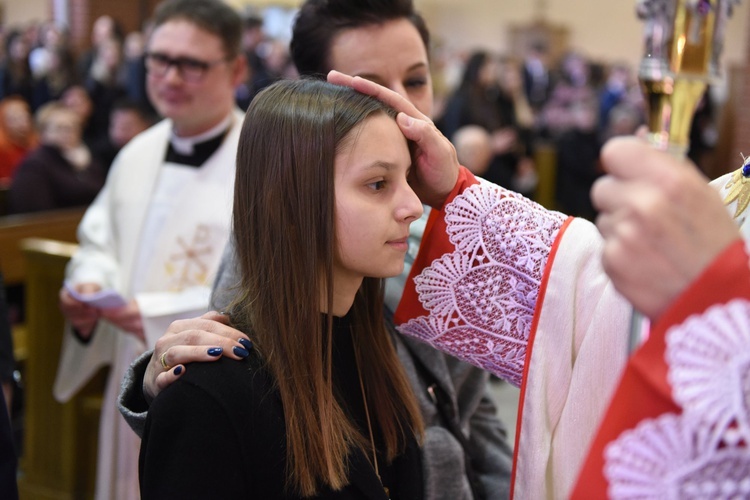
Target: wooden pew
60,440
57,225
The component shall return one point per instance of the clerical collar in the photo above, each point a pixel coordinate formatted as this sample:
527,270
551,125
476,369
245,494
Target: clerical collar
185,145
195,150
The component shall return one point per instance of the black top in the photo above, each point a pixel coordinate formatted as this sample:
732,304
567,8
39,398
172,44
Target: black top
219,432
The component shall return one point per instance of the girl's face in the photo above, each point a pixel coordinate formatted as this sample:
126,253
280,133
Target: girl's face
374,202
391,54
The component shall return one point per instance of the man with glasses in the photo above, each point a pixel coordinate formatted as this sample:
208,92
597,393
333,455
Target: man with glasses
155,234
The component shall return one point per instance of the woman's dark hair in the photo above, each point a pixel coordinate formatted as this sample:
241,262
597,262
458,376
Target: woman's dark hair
473,67
319,21
284,230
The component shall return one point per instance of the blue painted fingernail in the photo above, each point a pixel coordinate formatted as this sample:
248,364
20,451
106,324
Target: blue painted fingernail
239,351
215,351
246,344
177,370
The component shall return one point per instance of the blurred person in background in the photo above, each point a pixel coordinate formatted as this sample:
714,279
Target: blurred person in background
57,77
105,82
536,77
502,110
127,119
258,76
578,160
77,98
104,28
572,86
704,134
134,63
623,119
61,172
517,108
474,148
17,136
15,72
616,90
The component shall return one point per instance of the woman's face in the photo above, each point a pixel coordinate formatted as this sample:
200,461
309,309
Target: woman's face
78,100
511,79
374,202
63,129
19,49
488,74
17,120
391,54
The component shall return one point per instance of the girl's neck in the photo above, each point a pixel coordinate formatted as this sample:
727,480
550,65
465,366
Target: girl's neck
344,292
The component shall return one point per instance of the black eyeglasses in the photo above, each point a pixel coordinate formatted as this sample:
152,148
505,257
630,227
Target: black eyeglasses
190,70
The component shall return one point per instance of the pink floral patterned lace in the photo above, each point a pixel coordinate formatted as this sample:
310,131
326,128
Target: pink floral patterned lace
481,298
705,451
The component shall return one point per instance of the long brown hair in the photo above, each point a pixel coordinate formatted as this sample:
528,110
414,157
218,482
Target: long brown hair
285,239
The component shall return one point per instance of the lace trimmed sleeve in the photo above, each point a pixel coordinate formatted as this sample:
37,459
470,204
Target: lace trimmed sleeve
480,298
702,452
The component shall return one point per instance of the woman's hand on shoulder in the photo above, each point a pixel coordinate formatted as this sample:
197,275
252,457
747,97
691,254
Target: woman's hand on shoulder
206,338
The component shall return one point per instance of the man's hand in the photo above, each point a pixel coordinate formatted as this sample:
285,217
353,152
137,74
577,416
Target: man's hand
662,223
81,316
126,318
192,340
436,164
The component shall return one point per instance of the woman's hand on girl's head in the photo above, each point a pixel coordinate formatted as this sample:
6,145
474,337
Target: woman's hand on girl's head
206,338
435,161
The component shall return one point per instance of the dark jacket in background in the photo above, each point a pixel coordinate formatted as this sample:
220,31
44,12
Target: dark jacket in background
45,180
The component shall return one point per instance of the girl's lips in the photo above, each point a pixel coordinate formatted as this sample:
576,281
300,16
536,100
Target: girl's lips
400,244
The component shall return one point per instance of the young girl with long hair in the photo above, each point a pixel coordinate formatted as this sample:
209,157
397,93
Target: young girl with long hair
322,407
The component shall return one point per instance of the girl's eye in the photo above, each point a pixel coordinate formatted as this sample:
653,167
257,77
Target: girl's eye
377,185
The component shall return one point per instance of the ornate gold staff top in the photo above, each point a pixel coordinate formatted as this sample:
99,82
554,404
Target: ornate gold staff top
683,45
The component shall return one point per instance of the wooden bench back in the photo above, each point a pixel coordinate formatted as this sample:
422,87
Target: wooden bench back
60,440
57,225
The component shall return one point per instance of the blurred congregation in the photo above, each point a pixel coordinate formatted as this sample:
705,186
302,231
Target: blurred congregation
64,113
532,119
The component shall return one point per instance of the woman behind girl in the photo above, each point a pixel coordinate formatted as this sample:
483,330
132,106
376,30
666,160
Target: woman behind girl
322,406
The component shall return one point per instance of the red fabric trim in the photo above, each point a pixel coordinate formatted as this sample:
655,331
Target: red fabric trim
529,347
435,244
644,391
